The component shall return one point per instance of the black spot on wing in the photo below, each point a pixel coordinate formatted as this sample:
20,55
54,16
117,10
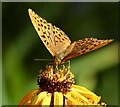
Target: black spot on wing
39,29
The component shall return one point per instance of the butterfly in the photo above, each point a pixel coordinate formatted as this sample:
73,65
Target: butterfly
59,44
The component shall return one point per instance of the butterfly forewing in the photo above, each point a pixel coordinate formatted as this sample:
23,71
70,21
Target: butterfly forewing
53,38
43,29
86,45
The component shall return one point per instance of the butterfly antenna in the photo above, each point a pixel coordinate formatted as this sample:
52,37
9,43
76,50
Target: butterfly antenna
43,59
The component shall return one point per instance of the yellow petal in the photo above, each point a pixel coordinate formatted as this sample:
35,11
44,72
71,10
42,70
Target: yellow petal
46,101
58,98
87,93
39,97
81,89
73,98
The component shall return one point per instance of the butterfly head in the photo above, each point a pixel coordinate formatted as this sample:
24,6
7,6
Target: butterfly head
57,61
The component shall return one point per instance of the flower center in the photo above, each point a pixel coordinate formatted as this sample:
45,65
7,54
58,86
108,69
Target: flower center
58,79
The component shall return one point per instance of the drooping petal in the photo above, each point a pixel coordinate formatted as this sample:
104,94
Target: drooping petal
28,98
58,98
46,100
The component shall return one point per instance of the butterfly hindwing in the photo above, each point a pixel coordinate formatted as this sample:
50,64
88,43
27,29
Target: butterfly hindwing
86,45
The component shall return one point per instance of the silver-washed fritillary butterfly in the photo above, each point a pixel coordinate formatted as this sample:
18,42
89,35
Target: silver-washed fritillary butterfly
58,43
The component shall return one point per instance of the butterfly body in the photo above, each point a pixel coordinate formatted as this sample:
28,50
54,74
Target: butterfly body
58,43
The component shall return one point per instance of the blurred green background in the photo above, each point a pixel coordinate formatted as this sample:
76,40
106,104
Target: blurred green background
97,70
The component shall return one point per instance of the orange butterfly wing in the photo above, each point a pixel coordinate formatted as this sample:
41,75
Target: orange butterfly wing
84,46
57,42
53,37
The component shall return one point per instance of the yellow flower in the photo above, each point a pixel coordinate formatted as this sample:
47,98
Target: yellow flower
57,88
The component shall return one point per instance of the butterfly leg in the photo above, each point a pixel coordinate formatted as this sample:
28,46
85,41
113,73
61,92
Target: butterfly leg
68,63
63,67
56,68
